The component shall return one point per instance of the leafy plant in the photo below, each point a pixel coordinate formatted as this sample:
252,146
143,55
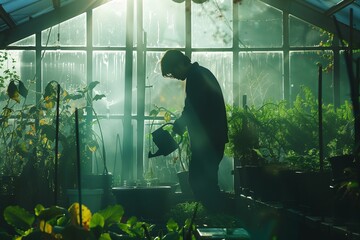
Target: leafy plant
28,133
278,133
59,223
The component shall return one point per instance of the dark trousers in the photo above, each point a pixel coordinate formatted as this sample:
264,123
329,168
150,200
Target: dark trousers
203,176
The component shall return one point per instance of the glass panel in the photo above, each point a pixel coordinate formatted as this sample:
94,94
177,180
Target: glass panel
109,24
345,93
112,130
160,91
109,70
69,33
211,24
164,25
260,25
344,15
303,34
21,63
221,65
304,72
29,41
68,68
323,5
261,77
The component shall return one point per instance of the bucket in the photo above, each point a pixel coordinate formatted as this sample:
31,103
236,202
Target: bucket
91,198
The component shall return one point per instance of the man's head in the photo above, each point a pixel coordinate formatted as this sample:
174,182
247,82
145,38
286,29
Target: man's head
175,64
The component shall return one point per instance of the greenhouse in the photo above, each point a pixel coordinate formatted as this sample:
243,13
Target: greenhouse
181,119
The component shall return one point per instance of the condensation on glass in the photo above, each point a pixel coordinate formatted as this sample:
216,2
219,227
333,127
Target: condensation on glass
304,34
109,24
260,76
68,68
164,23
260,25
68,33
28,41
109,70
304,67
211,24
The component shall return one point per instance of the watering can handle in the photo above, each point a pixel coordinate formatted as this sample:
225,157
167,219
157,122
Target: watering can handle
181,136
169,123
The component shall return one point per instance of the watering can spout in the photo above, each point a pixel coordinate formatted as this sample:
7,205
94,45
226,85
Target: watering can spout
156,154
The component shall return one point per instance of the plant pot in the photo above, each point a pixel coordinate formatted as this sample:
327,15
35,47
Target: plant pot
100,181
91,198
313,193
247,177
184,183
266,183
150,203
339,167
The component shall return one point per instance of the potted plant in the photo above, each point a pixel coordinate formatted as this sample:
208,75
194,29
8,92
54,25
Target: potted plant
286,141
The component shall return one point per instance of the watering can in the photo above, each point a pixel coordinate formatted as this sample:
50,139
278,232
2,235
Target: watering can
164,141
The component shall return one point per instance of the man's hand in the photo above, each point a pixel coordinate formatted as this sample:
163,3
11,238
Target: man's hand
179,127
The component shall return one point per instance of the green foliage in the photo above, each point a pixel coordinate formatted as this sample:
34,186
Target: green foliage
278,133
183,212
28,131
60,223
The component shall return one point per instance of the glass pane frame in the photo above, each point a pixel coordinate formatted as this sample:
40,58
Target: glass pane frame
260,25
165,25
261,77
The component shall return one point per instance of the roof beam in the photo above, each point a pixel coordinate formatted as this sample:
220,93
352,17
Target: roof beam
338,7
47,20
56,4
6,17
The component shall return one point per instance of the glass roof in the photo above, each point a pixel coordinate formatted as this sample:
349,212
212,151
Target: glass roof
340,9
14,13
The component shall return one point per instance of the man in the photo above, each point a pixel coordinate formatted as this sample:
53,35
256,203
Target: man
204,115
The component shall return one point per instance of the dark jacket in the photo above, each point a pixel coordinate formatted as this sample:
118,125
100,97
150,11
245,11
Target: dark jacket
204,112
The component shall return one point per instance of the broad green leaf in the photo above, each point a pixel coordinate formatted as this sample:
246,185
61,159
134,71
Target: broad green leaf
22,89
154,112
18,217
92,85
105,236
171,225
13,92
38,209
53,212
49,131
98,97
112,214
97,220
